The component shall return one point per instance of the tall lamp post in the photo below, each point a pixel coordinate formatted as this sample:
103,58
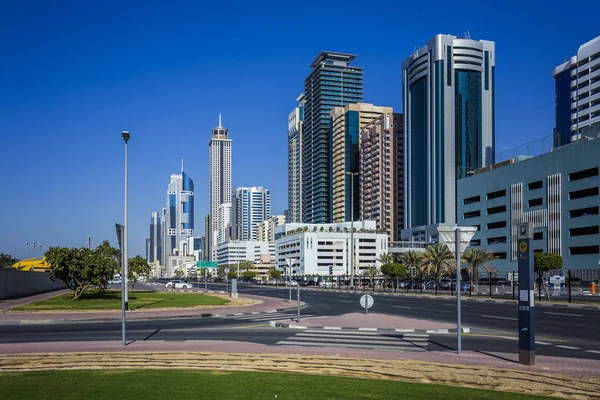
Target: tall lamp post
457,239
352,175
124,295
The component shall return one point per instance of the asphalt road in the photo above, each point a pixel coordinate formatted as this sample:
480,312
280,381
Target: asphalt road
494,325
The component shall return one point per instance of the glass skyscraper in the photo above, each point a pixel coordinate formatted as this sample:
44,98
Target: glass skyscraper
448,97
249,207
332,83
178,215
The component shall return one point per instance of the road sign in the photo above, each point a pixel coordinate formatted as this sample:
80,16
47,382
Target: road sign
226,270
526,308
206,264
366,302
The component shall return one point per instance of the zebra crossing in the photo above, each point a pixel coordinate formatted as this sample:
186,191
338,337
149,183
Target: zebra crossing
264,316
358,340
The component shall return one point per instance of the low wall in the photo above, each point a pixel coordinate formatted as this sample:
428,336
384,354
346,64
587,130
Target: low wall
14,284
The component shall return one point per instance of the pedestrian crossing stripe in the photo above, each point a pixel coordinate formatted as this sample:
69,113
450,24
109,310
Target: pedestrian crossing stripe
264,316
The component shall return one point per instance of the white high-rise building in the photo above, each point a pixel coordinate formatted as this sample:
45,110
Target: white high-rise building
249,207
220,181
224,219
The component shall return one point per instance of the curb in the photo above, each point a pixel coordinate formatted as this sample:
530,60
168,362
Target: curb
389,330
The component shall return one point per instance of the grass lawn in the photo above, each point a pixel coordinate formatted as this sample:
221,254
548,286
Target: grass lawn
112,300
161,385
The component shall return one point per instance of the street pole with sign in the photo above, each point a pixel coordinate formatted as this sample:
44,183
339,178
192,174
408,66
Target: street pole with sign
226,280
526,295
457,239
290,263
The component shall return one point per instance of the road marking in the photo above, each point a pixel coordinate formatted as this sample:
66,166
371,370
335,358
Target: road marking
307,297
346,301
543,343
404,307
493,316
566,314
567,347
593,351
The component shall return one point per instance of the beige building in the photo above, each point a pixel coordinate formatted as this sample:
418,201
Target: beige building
347,123
262,268
381,173
266,229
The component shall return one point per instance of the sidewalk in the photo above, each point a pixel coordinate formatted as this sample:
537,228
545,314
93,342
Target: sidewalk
257,304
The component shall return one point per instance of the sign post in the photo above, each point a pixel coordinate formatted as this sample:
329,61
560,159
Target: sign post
366,301
526,295
290,263
226,280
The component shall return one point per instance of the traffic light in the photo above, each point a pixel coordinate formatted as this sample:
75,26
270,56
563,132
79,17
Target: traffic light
330,270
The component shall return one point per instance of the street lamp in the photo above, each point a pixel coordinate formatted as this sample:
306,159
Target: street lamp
457,239
352,174
27,248
290,263
33,249
124,297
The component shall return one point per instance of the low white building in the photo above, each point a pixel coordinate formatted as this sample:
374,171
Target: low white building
181,263
316,247
243,250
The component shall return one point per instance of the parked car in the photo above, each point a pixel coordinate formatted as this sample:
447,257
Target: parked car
292,283
115,281
178,285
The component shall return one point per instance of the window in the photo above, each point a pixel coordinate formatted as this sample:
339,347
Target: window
472,214
580,194
535,202
496,210
587,173
496,240
495,195
583,212
496,225
576,251
471,200
501,255
538,251
534,185
538,235
476,242
585,230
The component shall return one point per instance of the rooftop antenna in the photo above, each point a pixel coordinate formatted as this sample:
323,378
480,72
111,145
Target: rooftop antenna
182,165
220,121
468,35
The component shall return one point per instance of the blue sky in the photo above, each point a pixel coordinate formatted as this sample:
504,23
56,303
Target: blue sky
75,74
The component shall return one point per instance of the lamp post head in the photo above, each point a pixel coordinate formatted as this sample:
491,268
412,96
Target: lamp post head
125,135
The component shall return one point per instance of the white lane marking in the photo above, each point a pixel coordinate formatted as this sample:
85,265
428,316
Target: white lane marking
346,301
493,316
566,314
543,343
308,297
404,307
593,351
567,347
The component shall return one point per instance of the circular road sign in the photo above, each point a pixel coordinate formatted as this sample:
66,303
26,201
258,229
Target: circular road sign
226,270
523,246
366,301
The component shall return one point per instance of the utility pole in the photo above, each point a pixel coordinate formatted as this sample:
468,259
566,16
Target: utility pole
352,174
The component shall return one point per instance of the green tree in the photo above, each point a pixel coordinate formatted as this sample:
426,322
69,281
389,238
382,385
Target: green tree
275,273
371,272
6,260
221,270
107,262
385,258
437,261
137,267
179,273
394,271
544,262
248,275
476,258
413,260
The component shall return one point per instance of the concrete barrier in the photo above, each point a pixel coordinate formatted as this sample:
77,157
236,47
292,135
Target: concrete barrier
15,284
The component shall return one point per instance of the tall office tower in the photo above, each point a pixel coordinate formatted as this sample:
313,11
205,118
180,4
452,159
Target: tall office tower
333,82
346,124
379,179
249,207
223,221
155,238
448,93
163,237
295,161
220,180
578,95
148,249
206,237
179,215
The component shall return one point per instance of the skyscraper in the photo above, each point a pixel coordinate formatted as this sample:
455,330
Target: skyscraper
220,181
448,93
249,207
295,161
381,173
155,239
223,221
578,95
346,124
333,82
179,215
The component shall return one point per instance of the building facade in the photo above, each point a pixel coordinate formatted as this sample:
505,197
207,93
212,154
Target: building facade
155,246
332,83
235,251
249,207
557,192
346,125
295,161
381,173
577,84
223,222
266,229
219,149
179,214
448,97
316,247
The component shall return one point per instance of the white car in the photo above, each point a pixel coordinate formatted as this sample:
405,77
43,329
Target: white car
178,285
292,283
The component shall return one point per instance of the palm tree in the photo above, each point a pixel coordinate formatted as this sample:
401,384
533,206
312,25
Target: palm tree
476,258
437,260
413,259
371,272
385,258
